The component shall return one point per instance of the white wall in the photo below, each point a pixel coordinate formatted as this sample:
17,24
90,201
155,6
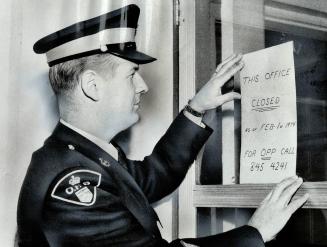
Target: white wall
28,110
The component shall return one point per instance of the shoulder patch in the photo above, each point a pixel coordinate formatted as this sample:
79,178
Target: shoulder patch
78,187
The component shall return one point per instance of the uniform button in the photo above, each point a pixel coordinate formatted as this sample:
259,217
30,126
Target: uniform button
71,147
153,236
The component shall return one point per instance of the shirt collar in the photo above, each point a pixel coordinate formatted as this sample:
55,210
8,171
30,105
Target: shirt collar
107,147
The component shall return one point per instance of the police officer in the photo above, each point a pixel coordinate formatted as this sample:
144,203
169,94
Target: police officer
80,189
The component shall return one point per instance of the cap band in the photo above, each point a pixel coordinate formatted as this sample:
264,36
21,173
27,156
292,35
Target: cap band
92,42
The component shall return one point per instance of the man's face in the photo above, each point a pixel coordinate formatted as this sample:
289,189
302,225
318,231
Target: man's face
122,94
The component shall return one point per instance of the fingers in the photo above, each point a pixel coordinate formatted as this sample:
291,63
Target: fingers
296,204
277,191
225,61
286,196
273,214
230,64
230,73
267,198
228,97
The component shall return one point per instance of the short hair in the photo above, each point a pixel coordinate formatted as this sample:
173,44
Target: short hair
64,77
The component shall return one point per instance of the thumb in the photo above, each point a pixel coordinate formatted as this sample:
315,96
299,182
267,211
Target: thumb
222,99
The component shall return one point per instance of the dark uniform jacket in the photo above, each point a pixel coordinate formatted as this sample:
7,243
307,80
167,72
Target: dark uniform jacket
76,194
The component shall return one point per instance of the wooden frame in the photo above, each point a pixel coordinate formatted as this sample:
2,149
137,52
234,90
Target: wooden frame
186,213
302,16
250,195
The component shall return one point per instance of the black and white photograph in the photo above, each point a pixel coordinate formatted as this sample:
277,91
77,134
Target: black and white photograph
182,123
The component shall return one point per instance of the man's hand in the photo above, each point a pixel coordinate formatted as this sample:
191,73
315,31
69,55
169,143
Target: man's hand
276,209
210,97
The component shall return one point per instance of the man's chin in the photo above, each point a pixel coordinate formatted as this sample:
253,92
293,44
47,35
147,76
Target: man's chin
134,120
137,118
131,121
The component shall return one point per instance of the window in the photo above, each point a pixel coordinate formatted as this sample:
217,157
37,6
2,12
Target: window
225,27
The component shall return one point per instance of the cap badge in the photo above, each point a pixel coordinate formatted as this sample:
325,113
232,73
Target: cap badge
103,48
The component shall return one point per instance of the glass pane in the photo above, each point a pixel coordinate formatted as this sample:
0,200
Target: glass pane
310,58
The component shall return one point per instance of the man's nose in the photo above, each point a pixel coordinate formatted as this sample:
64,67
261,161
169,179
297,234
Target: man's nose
140,85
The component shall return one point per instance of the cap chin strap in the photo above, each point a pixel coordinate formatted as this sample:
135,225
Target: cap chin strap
115,49
92,42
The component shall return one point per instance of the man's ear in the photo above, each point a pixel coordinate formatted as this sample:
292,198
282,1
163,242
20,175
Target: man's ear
88,80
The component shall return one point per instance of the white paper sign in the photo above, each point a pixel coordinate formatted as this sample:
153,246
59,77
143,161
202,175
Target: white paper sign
269,121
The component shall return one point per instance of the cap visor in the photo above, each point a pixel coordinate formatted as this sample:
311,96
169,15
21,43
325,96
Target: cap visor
133,56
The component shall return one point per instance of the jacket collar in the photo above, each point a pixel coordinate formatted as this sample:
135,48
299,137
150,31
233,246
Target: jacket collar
107,147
